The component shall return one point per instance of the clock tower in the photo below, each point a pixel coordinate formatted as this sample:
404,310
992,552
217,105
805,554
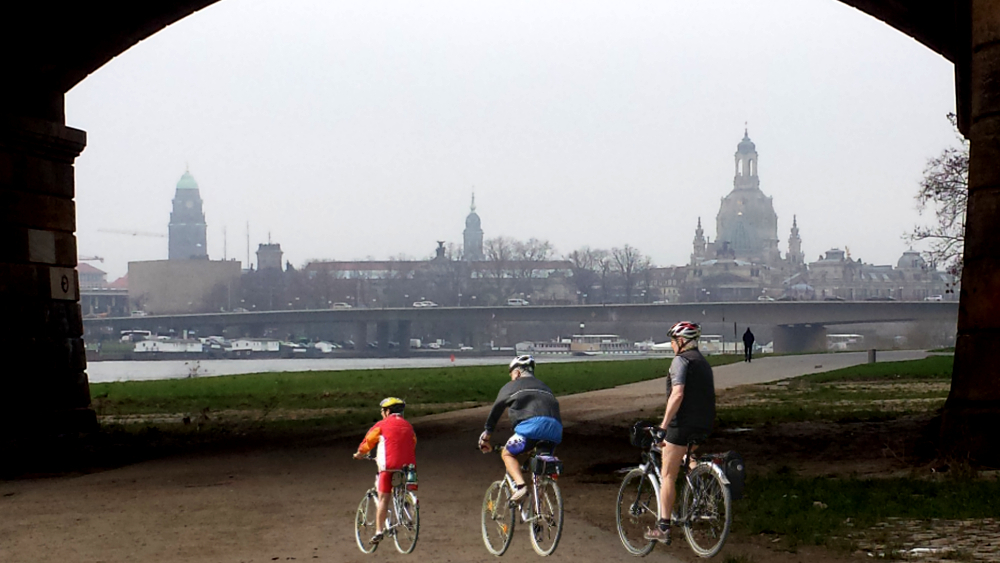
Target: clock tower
187,222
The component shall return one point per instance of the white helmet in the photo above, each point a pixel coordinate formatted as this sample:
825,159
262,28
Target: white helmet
525,362
685,329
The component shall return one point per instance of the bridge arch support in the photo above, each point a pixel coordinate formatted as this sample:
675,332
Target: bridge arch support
798,338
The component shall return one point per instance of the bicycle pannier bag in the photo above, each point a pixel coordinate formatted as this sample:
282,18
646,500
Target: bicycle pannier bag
735,470
639,436
546,465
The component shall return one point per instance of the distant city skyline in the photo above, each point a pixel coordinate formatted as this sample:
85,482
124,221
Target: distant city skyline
348,131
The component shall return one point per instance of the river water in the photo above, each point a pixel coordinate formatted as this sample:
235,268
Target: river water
108,371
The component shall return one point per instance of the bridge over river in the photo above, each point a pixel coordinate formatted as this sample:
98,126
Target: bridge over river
799,325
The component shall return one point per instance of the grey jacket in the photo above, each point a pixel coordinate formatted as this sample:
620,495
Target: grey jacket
526,397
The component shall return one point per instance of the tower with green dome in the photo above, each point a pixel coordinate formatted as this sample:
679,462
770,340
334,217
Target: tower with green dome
187,222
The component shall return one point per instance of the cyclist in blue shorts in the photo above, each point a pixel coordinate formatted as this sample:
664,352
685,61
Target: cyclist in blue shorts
534,414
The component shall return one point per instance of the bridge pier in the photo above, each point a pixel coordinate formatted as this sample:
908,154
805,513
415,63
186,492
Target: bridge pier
972,411
403,332
382,336
360,335
792,339
41,305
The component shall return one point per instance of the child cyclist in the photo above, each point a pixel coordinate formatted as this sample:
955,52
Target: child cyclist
396,442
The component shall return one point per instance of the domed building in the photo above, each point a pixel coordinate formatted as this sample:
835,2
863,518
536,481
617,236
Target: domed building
473,235
743,262
747,225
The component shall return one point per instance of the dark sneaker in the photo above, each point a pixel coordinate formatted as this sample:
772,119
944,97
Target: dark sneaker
656,534
377,538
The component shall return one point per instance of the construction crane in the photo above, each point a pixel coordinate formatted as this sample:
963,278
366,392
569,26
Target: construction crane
132,233
90,259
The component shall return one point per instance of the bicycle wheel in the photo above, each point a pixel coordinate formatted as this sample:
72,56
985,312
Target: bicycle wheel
364,522
546,528
407,523
707,511
638,509
498,518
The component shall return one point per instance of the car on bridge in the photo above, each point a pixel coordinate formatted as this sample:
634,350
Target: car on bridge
424,304
341,305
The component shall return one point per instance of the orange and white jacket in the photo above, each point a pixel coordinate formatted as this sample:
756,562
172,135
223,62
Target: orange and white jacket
396,442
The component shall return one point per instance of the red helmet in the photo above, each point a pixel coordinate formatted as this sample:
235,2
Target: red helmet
685,329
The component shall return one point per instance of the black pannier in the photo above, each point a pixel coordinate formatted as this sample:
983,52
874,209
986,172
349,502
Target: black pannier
639,434
736,472
546,465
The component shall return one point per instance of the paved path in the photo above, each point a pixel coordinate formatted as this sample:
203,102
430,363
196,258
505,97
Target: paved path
298,503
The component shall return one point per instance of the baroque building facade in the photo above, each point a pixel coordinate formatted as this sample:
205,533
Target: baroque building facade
744,262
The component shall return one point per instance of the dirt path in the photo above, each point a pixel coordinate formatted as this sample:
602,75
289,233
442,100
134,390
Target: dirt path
297,502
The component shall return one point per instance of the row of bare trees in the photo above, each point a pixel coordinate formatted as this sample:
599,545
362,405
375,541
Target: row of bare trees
618,275
511,267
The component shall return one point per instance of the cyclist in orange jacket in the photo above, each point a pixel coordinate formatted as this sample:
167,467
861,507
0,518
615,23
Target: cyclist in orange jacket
396,444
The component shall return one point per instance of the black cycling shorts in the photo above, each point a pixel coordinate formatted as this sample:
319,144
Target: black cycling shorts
679,436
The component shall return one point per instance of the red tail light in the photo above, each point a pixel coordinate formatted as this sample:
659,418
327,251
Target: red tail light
411,486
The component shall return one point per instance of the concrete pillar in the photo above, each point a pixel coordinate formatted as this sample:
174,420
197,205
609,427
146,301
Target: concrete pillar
38,280
793,339
360,335
972,412
382,336
403,332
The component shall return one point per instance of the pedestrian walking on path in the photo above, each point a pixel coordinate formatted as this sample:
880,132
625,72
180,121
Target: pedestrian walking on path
748,345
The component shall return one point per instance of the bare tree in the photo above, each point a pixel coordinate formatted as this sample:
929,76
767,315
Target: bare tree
945,190
499,254
586,269
631,265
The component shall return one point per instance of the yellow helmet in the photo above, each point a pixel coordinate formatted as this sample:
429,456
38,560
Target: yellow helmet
389,402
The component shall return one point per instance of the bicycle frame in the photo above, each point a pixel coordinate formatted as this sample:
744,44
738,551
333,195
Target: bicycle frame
543,513
696,508
400,519
651,467
534,506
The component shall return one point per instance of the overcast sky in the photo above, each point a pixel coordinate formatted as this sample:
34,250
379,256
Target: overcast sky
348,130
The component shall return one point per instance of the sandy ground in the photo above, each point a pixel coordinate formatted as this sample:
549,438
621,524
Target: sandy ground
296,501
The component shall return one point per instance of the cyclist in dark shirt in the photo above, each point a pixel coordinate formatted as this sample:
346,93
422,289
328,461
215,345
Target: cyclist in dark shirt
534,415
690,415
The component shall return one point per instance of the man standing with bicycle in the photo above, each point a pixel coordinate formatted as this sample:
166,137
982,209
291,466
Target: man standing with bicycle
534,415
689,416
396,442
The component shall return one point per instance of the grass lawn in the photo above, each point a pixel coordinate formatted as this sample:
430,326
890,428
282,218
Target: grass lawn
877,391
848,511
339,393
843,512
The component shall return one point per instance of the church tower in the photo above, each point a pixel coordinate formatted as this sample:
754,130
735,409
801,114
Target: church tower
747,224
473,235
187,222
746,165
700,244
795,257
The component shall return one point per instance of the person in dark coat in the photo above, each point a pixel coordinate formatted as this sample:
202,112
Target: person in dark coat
748,345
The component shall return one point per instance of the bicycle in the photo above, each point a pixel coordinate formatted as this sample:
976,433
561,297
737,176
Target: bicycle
705,511
403,521
542,507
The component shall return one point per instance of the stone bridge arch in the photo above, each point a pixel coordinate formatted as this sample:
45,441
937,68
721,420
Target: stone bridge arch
50,46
